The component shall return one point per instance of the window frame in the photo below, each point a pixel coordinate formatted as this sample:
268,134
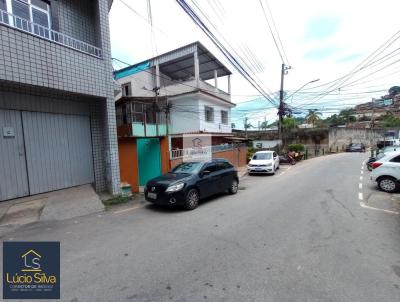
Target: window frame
226,117
392,160
9,6
211,110
124,86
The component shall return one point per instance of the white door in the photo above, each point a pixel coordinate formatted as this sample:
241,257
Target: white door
13,175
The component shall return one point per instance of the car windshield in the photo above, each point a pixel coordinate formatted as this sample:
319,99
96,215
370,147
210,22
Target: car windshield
262,156
188,168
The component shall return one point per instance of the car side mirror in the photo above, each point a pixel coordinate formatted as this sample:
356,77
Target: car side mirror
205,172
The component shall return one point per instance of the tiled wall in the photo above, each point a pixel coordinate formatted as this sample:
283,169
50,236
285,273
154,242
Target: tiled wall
23,98
32,61
78,19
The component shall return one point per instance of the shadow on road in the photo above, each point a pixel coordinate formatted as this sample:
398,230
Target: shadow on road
177,208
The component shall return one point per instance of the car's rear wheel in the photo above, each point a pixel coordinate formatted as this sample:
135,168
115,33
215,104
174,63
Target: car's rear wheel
388,184
192,200
234,187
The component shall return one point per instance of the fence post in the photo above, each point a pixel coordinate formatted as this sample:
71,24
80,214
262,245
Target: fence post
306,155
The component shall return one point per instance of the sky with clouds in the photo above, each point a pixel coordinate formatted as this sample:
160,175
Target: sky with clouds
322,40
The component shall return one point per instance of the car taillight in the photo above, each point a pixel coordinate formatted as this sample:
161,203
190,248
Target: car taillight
376,165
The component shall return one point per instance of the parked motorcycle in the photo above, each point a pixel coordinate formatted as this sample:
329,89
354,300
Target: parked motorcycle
286,159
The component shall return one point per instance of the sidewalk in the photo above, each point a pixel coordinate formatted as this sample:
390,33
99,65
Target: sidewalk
52,206
242,171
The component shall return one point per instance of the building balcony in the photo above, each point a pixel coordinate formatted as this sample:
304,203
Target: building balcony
146,118
136,129
48,34
177,88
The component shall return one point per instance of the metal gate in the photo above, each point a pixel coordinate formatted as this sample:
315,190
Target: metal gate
58,151
41,152
13,175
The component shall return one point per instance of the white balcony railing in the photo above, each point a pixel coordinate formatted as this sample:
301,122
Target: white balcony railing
48,34
178,153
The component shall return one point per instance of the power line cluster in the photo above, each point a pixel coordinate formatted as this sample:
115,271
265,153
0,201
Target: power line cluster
233,59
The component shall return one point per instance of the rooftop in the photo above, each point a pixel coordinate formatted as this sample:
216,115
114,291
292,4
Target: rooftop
178,64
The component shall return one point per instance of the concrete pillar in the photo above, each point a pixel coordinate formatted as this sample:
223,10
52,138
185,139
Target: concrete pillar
196,68
229,84
157,83
215,78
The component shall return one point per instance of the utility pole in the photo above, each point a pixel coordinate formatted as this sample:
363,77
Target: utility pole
245,126
281,110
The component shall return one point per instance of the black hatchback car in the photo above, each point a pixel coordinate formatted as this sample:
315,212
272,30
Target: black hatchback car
189,182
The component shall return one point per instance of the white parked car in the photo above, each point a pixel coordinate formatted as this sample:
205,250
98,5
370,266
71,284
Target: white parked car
386,172
263,162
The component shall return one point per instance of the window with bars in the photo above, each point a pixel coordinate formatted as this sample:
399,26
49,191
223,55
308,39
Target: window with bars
224,117
209,114
34,11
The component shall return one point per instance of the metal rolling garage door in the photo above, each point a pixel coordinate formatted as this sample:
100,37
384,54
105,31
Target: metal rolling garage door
13,175
58,150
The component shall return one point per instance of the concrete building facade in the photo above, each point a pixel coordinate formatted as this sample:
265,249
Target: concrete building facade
57,109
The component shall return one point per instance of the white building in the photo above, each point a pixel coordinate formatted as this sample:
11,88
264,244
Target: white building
182,76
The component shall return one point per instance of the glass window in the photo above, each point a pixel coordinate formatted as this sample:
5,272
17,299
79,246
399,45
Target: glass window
224,117
39,3
212,167
21,9
222,165
396,159
189,168
126,89
262,156
209,114
35,11
40,17
3,5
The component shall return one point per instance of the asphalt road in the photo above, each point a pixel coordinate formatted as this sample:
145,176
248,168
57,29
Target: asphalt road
300,235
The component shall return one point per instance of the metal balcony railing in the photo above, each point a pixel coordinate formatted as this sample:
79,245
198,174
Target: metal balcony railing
178,153
48,34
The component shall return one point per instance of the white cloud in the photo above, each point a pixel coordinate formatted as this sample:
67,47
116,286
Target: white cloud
364,25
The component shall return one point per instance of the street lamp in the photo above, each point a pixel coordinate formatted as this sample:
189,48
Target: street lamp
313,81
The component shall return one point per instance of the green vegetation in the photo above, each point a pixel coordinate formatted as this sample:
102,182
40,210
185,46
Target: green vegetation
250,153
289,123
296,147
116,200
313,116
390,120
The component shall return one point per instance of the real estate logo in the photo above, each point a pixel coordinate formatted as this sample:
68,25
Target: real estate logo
197,147
31,270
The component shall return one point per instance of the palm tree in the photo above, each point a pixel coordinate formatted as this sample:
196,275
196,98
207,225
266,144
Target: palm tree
313,116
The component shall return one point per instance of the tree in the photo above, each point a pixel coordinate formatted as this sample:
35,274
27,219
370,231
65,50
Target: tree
288,123
248,125
347,115
313,116
390,120
264,125
233,126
